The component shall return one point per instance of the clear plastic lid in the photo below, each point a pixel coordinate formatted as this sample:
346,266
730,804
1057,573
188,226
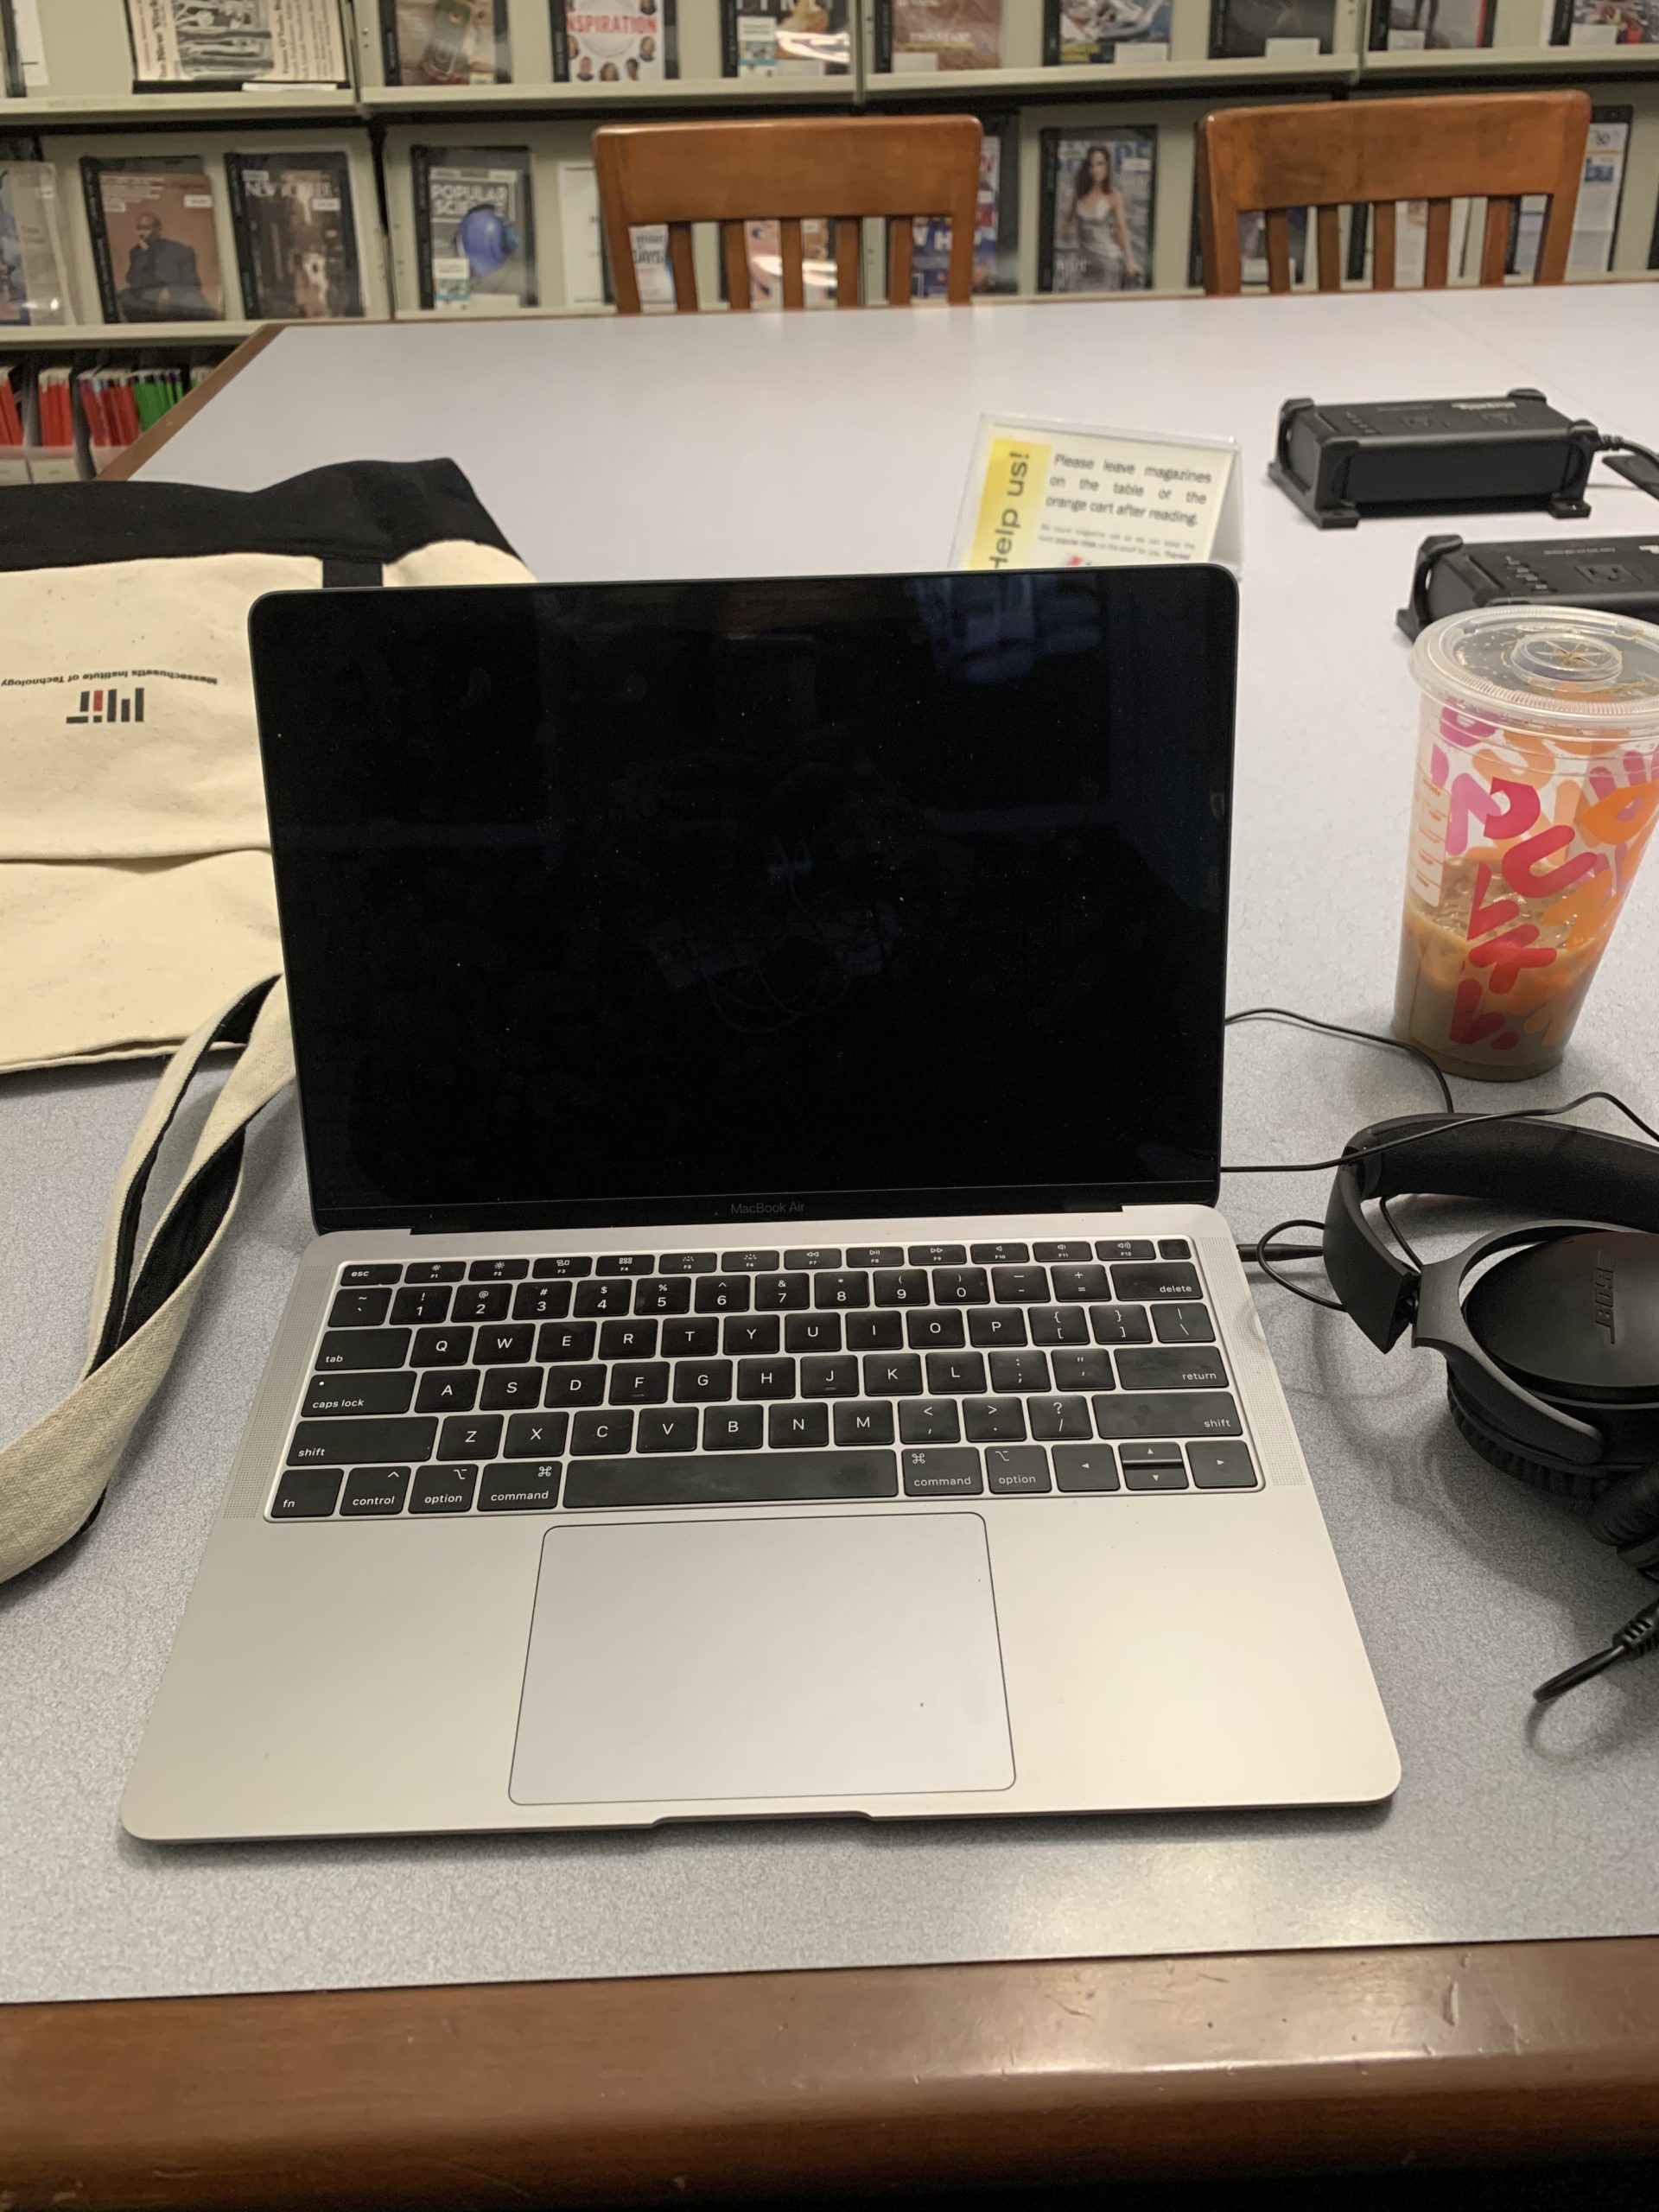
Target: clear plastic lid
1565,670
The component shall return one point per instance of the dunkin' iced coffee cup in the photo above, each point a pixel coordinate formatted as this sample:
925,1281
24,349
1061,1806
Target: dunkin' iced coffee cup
1537,788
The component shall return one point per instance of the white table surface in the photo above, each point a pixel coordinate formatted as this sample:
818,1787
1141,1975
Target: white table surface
610,448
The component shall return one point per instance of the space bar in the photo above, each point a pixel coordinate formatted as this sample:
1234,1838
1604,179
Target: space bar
730,1479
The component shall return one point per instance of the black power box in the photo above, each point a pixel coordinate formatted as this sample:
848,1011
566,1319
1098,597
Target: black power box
1618,574
1431,456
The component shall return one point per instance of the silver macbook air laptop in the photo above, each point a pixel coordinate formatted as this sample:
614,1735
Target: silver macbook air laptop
769,1346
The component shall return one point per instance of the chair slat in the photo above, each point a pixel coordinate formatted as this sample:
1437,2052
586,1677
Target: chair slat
789,239
1384,217
1495,247
849,255
734,253
901,239
685,274
1278,226
1437,246
1330,250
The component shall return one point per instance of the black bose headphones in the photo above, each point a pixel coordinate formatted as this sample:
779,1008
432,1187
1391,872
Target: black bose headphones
1550,1331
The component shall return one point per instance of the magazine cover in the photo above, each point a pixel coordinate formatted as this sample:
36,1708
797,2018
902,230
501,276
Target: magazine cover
586,263
23,53
209,42
763,244
1606,22
446,42
1409,26
1286,28
786,38
474,227
996,223
34,265
1077,31
1097,209
155,239
633,43
1595,219
296,242
920,37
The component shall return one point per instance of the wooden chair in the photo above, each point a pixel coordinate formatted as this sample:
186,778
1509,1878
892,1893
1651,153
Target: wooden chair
842,167
1360,153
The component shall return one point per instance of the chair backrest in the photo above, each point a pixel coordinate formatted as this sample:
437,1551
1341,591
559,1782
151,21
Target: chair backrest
1328,155
842,167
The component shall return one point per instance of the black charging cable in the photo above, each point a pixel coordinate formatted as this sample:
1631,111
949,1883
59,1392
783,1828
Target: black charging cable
1641,467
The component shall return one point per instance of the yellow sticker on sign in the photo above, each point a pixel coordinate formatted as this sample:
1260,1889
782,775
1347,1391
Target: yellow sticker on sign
1016,477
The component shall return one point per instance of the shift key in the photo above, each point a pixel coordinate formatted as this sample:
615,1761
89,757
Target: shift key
362,1443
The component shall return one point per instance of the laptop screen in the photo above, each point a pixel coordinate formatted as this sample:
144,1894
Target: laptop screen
615,902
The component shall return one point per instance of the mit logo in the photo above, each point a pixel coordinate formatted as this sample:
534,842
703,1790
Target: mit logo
110,707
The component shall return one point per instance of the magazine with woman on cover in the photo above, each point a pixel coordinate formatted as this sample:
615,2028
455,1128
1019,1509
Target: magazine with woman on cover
445,42
786,38
34,263
1093,31
295,243
996,223
475,230
632,42
155,237
235,43
920,37
1097,209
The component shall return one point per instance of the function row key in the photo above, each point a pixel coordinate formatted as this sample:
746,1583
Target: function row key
366,1273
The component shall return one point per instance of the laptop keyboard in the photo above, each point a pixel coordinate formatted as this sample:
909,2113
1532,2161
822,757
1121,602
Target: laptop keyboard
793,1376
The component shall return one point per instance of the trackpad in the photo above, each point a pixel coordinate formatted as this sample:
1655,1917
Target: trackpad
832,1655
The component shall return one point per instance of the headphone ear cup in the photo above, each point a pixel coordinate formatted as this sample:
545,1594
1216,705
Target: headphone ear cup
1584,1485
1627,1512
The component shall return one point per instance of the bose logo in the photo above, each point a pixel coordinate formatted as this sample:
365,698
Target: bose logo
1601,1296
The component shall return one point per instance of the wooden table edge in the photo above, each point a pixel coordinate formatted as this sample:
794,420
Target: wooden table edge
705,2086
149,443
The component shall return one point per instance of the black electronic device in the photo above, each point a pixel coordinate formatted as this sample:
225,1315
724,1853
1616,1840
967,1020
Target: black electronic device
1620,574
1428,456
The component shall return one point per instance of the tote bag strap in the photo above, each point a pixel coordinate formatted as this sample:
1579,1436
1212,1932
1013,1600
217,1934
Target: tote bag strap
54,1477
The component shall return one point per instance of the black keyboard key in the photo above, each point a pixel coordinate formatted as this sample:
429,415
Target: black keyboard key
1059,1419
813,1256
507,1388
840,1291
733,1429
686,1263
857,1421
690,1339
701,1381
1088,1281
994,1326
747,1334
672,1429
562,1266
627,1340
625,1263
797,1428
1169,1369
1183,1324
497,1271
766,1378
535,1436
1000,1255
429,1302
811,1332
943,1474
1161,1453
373,1493
961,1286
566,1340
1083,1370
994,1421
470,1436
763,1478
365,1272
443,1347
1085,1467
509,1345
1058,1325
874,1332
541,1301
1170,1413
1174,1248
532,1488
748,1263
725,1293
903,1286
663,1295
447,1390
1120,1325
482,1301
876,1255
369,1440
1016,1471
929,1420
952,1374
933,1332
359,1309
1220,1466
1166,1279
434,1271
833,1374
359,1393
442,1490
898,1377
600,1435
1124,1248
575,1386
938,1255
1020,1370
355,1349
602,1298
1160,1477
1072,1250
307,1494
1020,1286
639,1383
781,1294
